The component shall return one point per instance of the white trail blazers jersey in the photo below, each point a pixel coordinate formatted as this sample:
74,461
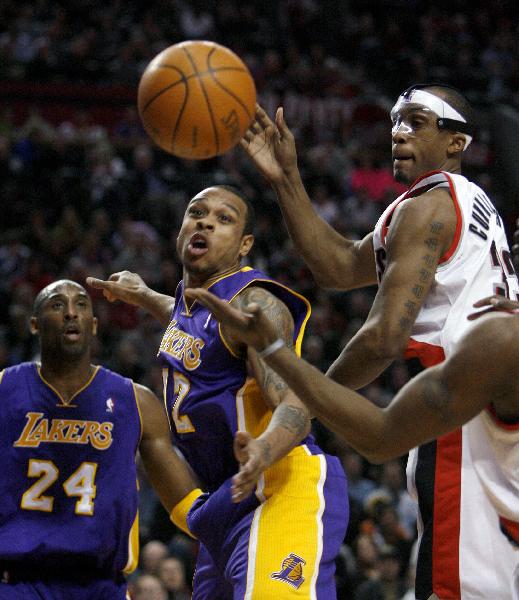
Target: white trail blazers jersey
463,553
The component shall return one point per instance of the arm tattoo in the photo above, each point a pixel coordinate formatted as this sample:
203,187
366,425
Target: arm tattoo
270,380
265,451
292,418
278,314
436,227
437,396
431,243
424,276
428,260
410,307
272,307
418,291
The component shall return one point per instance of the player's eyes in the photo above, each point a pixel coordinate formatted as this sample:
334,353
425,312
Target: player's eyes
226,218
196,212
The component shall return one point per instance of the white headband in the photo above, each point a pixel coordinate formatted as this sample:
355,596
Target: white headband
437,105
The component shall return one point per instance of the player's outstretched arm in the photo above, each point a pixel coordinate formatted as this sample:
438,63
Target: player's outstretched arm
335,261
167,471
130,288
434,403
290,422
422,230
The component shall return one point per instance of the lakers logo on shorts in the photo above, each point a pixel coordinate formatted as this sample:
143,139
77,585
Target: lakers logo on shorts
291,571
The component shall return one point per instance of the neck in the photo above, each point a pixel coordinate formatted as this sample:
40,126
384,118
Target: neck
192,280
67,376
451,167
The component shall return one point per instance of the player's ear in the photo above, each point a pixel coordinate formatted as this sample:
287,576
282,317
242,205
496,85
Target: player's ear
33,326
94,326
457,143
247,241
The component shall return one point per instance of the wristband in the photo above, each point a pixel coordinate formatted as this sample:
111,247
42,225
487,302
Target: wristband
271,348
179,512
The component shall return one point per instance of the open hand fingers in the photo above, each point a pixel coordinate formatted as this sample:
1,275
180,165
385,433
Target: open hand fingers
488,301
241,487
494,303
222,310
475,315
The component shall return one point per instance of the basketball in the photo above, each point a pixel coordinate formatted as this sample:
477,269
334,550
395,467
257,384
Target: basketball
196,99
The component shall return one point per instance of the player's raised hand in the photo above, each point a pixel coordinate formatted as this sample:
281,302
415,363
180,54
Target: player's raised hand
124,285
250,453
270,145
249,326
494,304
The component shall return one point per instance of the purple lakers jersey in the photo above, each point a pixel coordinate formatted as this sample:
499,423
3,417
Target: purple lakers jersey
69,481
207,393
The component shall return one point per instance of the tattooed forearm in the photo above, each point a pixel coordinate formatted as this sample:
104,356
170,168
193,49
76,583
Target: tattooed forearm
291,418
266,451
269,380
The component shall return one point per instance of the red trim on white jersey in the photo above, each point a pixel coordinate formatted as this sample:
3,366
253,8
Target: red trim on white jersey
428,354
459,222
446,524
511,528
499,423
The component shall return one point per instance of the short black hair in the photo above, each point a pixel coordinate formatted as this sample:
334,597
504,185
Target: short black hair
48,289
250,217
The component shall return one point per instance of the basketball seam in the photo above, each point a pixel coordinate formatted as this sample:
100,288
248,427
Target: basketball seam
185,79
166,89
204,91
224,88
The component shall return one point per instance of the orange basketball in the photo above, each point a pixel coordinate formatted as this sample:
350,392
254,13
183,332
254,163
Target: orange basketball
196,99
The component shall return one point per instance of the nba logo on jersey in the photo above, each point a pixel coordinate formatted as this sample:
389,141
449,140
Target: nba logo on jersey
110,405
291,571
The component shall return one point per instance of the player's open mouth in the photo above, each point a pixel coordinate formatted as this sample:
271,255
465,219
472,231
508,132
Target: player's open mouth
197,245
72,333
402,158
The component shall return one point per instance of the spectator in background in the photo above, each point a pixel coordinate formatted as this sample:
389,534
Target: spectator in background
387,585
148,587
152,554
172,573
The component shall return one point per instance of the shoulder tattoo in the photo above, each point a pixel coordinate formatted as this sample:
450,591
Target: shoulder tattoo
274,309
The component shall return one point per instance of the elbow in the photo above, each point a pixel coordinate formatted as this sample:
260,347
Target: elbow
328,281
379,456
380,450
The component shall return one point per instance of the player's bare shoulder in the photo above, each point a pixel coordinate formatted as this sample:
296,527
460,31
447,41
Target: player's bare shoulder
437,202
274,308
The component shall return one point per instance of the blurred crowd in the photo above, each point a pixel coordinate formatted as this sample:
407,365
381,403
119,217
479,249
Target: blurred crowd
82,198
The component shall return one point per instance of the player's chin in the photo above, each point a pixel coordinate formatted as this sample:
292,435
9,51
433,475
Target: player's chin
403,175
